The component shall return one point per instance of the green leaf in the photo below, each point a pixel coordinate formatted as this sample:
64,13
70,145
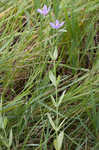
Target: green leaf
61,98
10,138
4,141
53,100
37,4
58,141
1,122
52,78
61,124
55,144
51,55
55,54
58,79
51,122
5,122
56,4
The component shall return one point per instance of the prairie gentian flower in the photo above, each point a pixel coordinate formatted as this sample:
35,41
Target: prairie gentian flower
56,25
44,11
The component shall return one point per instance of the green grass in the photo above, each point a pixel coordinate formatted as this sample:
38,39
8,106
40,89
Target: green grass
26,39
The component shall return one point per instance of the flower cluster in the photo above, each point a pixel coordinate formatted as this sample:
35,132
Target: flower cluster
44,11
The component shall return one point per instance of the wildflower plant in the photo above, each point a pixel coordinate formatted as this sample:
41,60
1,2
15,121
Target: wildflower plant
55,82
56,102
26,39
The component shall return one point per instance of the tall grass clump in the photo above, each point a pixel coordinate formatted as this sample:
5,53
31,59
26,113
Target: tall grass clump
49,75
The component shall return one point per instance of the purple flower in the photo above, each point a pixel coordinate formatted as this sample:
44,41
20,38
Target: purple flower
44,11
56,25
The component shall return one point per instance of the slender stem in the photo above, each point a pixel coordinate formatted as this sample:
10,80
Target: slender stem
8,148
56,99
5,133
55,69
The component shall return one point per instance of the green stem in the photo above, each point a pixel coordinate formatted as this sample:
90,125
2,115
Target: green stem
57,119
56,100
8,148
55,69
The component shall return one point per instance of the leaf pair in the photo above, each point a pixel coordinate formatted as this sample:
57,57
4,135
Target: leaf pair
54,55
53,124
7,142
53,79
3,122
58,141
60,100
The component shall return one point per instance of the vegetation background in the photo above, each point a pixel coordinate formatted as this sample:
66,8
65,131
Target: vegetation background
26,39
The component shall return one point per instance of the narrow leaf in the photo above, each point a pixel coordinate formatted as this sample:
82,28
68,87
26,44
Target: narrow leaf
51,55
58,141
56,4
55,144
51,122
52,78
5,122
61,124
61,98
4,141
10,138
37,4
1,122
55,55
53,100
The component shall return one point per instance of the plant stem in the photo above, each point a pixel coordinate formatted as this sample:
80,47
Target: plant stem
56,98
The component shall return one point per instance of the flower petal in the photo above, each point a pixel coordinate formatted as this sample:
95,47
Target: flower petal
53,25
48,9
45,8
62,24
57,22
40,11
